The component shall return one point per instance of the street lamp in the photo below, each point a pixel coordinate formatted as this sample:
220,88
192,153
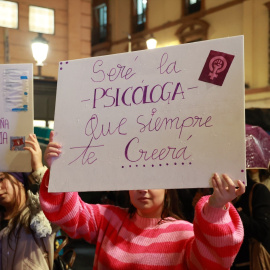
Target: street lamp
40,49
151,42
129,43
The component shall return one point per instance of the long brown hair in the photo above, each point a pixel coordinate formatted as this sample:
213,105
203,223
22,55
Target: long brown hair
17,218
171,207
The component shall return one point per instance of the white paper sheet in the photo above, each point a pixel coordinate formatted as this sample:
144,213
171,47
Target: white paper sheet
16,116
162,118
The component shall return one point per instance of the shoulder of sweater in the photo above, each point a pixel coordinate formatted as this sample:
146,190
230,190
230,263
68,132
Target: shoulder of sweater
103,208
175,221
110,213
178,224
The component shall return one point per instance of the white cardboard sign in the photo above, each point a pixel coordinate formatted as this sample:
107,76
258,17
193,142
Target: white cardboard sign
16,116
162,118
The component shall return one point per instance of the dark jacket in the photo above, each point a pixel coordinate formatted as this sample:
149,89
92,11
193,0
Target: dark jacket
257,226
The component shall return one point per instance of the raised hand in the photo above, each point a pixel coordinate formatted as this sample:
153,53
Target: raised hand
224,190
53,150
32,145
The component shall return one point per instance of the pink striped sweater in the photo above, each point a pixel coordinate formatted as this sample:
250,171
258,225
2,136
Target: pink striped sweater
142,243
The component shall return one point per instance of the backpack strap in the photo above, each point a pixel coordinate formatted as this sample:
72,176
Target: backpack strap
61,245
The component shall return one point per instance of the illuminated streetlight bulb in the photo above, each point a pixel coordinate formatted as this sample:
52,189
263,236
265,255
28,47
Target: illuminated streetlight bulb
151,43
40,49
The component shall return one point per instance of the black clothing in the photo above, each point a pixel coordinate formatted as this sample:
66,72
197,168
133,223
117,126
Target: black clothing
257,226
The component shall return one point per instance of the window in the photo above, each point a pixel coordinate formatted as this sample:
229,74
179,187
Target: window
42,123
192,6
100,22
139,15
41,20
192,31
51,124
39,123
8,14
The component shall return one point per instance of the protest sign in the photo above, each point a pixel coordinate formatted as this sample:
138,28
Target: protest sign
163,118
16,116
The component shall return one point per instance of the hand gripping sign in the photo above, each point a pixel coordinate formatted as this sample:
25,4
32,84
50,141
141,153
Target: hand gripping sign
165,118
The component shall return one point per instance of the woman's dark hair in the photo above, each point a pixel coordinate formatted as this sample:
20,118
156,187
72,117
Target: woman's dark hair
171,206
264,174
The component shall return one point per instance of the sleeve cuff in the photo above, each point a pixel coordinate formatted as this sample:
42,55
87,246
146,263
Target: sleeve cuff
213,214
38,174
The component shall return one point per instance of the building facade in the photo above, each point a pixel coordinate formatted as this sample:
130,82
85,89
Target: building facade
87,28
71,38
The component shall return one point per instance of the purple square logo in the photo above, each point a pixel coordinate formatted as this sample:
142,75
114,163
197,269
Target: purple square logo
216,67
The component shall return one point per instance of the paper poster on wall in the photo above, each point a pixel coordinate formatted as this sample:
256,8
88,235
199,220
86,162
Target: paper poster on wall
163,118
16,116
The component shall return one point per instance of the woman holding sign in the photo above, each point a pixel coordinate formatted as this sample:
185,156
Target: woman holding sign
26,237
150,235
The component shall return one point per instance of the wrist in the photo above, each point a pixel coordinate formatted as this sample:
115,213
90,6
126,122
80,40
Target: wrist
213,202
37,166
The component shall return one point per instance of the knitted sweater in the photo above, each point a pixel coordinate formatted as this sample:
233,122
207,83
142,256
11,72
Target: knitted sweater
145,243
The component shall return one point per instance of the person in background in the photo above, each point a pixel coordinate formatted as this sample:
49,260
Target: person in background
26,236
260,176
150,234
189,198
256,226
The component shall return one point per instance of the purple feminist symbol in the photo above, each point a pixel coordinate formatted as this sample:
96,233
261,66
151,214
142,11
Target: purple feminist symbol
217,64
216,67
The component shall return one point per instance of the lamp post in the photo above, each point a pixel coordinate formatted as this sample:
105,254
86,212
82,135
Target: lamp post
129,43
151,42
40,49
